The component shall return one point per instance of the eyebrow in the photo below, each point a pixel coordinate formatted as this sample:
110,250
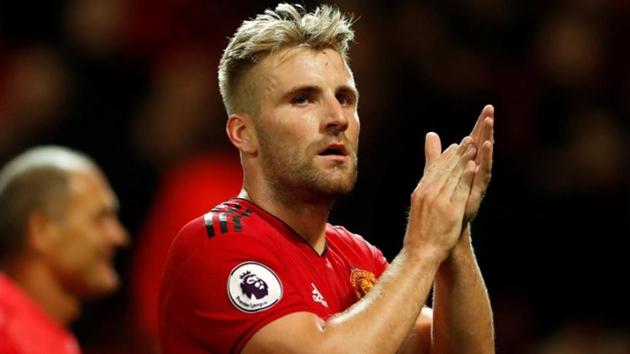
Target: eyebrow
312,89
349,89
306,89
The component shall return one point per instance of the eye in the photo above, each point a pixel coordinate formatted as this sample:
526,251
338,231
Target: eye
345,99
299,100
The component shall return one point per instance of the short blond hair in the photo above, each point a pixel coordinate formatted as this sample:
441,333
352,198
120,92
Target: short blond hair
285,27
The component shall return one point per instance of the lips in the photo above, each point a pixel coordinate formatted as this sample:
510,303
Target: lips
334,149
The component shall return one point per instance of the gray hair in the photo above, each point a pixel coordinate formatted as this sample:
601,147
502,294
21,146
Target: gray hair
36,180
285,27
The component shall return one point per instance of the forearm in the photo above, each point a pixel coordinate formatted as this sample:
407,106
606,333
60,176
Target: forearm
381,321
462,321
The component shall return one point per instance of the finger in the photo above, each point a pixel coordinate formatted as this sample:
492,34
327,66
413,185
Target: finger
484,155
432,148
436,174
446,165
486,112
462,191
453,157
453,179
438,167
485,169
492,130
487,134
483,175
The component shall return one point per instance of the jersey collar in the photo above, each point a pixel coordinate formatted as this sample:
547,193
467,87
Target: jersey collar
279,224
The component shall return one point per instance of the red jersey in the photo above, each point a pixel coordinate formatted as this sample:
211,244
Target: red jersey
237,268
26,329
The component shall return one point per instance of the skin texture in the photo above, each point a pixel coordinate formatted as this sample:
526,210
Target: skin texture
308,100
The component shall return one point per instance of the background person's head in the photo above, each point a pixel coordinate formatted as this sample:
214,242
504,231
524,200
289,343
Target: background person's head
58,222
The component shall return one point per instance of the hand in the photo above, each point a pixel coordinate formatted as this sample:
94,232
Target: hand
439,200
483,137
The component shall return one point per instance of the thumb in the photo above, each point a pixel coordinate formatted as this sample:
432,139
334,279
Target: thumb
432,148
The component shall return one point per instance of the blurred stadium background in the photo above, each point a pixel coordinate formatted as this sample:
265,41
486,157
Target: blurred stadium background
133,84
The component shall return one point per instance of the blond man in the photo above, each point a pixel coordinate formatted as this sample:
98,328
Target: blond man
265,273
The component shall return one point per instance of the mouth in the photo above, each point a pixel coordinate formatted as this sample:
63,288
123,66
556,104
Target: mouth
334,150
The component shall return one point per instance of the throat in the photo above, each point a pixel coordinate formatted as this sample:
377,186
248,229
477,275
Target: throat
320,246
309,223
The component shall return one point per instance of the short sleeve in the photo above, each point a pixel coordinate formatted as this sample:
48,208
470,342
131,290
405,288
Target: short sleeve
380,262
228,288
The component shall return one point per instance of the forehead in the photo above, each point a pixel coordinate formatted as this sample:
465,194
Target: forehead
305,66
89,186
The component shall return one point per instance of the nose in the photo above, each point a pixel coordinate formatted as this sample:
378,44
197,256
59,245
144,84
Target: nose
335,120
118,235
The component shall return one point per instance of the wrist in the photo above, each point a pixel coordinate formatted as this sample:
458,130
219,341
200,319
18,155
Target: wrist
423,256
463,248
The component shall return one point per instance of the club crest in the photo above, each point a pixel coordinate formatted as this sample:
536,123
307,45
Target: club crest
362,281
253,287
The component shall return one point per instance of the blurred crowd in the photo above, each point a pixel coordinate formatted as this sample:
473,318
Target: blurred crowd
133,84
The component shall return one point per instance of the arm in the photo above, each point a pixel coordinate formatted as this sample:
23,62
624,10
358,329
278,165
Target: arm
462,313
462,320
381,321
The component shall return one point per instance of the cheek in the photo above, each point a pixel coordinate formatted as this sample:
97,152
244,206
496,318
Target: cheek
286,139
354,127
78,246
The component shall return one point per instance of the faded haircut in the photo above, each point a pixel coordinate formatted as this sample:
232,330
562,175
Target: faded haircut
35,181
285,27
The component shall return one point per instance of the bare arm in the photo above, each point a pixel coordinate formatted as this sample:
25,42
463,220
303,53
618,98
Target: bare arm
462,320
382,321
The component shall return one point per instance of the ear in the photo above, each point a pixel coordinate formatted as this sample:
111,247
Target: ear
242,133
40,232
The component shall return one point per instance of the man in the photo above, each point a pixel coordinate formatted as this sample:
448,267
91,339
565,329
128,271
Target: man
265,273
58,233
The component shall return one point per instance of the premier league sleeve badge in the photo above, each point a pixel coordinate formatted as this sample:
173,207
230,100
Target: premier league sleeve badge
253,287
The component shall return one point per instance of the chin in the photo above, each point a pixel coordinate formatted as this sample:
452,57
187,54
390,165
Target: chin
102,285
338,188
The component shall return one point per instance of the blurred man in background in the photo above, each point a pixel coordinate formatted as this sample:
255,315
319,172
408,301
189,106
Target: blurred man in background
59,231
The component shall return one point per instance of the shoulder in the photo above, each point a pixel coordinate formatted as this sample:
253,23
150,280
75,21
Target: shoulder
341,235
215,243
355,248
227,224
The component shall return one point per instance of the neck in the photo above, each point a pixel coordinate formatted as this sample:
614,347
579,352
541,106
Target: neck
307,217
38,282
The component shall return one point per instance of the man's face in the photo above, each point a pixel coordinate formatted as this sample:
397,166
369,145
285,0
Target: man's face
307,126
87,236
